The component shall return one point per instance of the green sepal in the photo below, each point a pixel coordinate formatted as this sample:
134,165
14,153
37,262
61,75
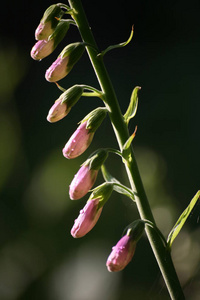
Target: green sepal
118,45
95,118
96,159
102,192
71,95
59,33
135,229
52,14
181,220
117,186
74,51
132,108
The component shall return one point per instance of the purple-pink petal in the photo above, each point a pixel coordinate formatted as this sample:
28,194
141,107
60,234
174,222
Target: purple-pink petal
57,70
82,182
42,49
121,254
78,142
87,218
58,111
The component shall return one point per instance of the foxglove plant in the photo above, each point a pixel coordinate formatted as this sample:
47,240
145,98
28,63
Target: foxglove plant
51,30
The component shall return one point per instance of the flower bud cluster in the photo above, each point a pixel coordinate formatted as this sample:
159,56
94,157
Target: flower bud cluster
49,33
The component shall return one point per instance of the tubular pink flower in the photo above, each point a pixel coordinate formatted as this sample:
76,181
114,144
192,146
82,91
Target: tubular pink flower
42,49
82,182
78,142
121,254
58,69
58,111
87,218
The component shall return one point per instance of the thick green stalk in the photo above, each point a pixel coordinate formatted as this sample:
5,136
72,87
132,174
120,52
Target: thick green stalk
162,255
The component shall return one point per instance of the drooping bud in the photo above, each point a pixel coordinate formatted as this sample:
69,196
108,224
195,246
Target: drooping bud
64,103
87,218
42,49
58,111
82,182
45,47
122,253
82,137
90,214
65,62
78,142
48,22
86,176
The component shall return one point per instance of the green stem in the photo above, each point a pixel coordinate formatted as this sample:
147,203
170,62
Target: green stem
162,255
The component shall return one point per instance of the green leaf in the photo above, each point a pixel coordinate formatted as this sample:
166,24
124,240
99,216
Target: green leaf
118,45
182,219
117,186
129,141
132,108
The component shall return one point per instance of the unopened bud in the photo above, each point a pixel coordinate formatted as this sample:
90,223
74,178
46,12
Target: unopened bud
122,253
82,182
124,250
48,22
65,62
42,49
87,218
64,103
58,111
78,142
82,137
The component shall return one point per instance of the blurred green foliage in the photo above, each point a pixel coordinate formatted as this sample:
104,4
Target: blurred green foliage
38,257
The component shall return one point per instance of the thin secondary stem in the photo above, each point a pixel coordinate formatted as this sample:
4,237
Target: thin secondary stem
162,255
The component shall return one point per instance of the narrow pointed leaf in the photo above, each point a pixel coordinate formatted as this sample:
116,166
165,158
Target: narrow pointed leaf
132,108
118,45
182,219
118,187
129,141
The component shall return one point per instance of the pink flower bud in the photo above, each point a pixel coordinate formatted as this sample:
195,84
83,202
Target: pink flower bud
43,31
82,182
78,142
87,219
42,49
58,69
121,254
58,111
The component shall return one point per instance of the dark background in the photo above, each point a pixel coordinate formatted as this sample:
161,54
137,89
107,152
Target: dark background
38,257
